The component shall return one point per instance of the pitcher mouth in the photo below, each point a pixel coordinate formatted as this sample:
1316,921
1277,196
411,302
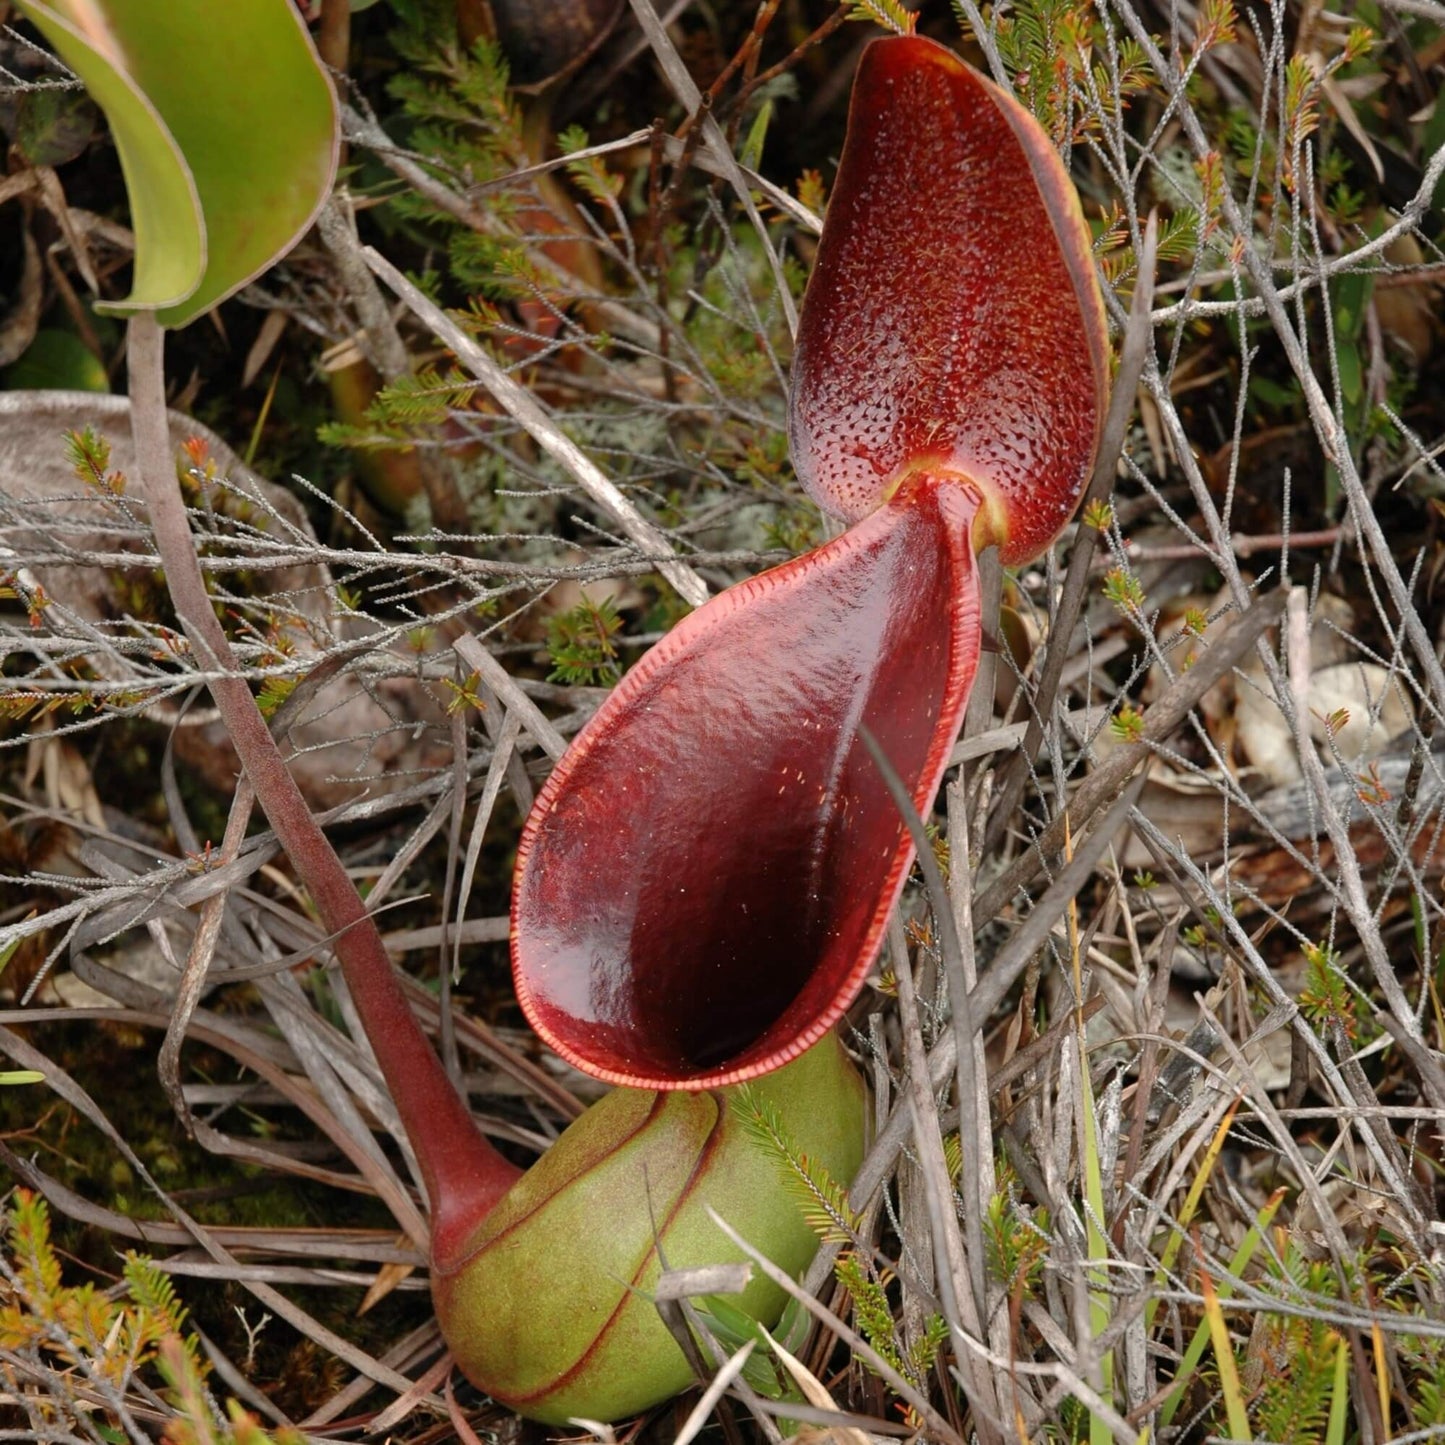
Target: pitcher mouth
989,527
704,882
705,879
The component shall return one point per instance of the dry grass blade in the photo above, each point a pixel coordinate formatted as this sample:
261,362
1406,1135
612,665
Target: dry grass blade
1167,712
685,88
1352,884
523,407
62,1084
717,1387
250,1050
1322,414
1237,1265
1202,1042
817,1395
960,1270
198,959
941,1428
882,1156
1138,342
475,654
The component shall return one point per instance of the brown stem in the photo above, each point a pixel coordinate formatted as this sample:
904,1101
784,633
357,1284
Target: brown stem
836,19
1240,544
333,36
463,1174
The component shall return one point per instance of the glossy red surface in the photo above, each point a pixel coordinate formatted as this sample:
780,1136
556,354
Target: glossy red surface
953,317
704,880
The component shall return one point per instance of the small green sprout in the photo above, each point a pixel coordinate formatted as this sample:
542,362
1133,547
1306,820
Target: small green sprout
582,644
1124,590
1327,1000
464,694
1127,724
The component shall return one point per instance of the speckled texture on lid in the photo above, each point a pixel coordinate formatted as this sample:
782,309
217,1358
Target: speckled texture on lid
953,319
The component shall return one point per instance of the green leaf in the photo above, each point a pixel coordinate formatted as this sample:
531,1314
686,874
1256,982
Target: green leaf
735,1327
1352,296
1339,1395
752,152
227,129
56,361
1431,139
165,209
1237,1265
1352,382
53,126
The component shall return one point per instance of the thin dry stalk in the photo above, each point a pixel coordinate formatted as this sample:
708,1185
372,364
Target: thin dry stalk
523,408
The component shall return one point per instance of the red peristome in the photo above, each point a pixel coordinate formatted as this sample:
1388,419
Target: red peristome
704,881
953,317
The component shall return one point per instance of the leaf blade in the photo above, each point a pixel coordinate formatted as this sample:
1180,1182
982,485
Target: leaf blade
165,205
236,99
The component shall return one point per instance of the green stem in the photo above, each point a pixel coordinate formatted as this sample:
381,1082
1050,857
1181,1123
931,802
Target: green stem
463,1174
